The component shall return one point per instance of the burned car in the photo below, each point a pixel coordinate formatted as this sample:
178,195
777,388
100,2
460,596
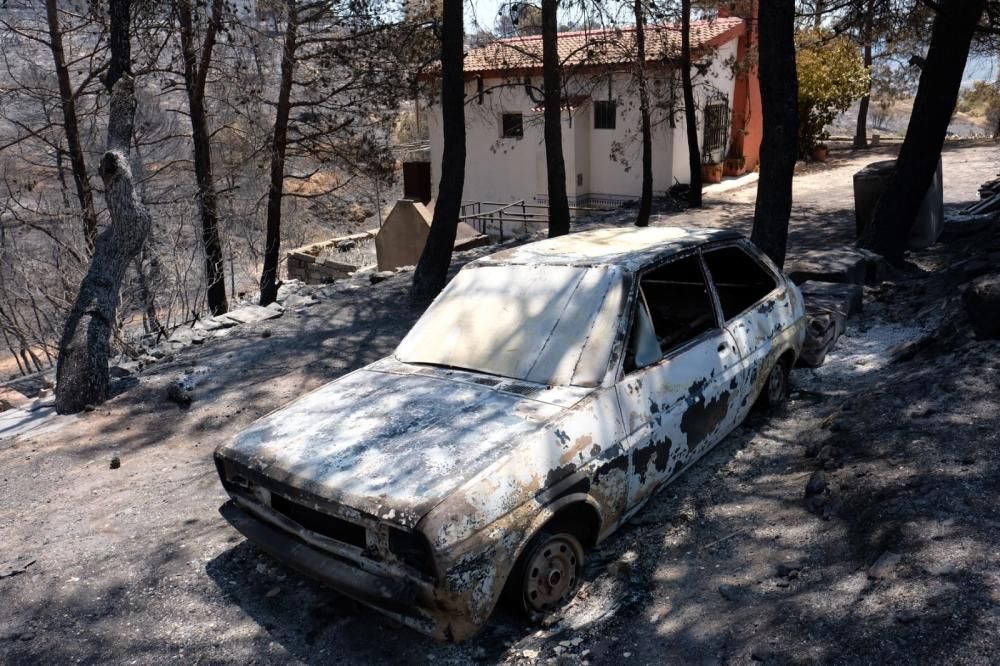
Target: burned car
538,403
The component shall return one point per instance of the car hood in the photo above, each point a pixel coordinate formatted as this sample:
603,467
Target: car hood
394,440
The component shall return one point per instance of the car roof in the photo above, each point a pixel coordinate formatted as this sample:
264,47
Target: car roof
628,247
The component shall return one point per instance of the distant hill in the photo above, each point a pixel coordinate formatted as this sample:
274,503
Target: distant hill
893,122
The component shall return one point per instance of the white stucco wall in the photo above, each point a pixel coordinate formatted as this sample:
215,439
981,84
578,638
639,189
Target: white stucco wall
719,77
609,162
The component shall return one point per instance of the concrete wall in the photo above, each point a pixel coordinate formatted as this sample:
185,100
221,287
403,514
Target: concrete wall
608,162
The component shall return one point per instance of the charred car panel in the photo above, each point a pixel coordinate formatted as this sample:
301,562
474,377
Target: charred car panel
415,486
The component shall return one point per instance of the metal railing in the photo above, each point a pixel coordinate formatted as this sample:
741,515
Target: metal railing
489,217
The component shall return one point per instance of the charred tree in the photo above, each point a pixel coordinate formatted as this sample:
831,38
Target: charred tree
432,269
779,91
279,145
646,198
555,165
71,128
690,115
82,376
937,94
195,76
861,131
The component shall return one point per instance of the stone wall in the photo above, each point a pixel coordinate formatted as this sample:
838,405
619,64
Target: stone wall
313,264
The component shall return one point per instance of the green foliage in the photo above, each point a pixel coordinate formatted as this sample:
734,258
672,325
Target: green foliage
832,75
982,99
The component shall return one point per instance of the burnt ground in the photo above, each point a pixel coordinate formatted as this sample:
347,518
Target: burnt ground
729,565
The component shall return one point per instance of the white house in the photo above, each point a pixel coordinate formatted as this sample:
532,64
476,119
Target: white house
601,123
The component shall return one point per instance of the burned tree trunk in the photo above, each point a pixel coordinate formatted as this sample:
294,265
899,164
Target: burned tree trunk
555,166
432,269
195,77
779,92
861,131
937,95
690,116
82,371
70,127
646,198
279,144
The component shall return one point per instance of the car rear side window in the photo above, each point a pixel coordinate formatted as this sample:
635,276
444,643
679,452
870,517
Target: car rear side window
679,307
739,279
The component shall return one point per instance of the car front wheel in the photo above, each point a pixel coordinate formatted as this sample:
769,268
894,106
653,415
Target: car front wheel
551,573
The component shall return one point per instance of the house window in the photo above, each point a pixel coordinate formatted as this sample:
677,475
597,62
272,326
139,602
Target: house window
512,125
605,113
716,124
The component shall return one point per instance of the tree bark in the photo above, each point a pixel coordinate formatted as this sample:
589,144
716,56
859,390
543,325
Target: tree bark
432,269
555,166
779,91
70,126
861,131
82,371
279,144
646,198
690,115
195,76
937,94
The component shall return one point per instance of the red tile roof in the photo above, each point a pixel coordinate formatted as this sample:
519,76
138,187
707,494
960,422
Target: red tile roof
600,47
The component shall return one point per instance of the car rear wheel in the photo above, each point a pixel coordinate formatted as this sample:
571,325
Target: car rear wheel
552,568
776,390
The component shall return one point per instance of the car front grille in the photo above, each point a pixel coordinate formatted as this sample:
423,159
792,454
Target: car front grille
320,523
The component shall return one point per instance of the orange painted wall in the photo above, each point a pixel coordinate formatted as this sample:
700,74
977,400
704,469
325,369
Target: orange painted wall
747,123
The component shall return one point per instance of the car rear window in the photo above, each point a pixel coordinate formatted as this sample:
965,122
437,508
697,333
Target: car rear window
553,325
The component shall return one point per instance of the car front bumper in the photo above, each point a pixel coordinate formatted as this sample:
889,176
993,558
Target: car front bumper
407,601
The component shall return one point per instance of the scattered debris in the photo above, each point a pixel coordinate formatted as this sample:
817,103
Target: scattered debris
15,567
178,394
730,592
817,483
788,570
380,276
884,565
116,462
982,303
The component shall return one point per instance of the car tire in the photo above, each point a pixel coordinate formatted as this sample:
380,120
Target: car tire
549,574
776,388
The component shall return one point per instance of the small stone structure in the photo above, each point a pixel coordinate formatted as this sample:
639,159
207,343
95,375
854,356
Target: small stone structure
403,235
308,264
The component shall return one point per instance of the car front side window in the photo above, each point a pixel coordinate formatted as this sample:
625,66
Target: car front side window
674,301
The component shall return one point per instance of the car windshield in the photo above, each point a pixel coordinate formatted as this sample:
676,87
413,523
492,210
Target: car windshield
552,325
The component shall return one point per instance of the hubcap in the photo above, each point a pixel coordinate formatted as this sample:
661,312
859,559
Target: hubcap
776,385
553,573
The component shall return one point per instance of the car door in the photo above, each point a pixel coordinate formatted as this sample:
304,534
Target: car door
679,363
748,291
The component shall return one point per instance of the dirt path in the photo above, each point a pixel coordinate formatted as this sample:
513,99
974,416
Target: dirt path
729,565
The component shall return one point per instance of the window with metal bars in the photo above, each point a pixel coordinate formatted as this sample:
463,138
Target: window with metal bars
716,124
605,113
